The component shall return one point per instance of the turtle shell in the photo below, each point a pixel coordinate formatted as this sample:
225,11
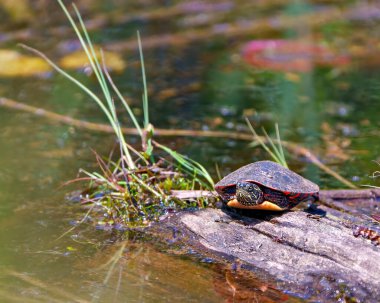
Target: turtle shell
272,178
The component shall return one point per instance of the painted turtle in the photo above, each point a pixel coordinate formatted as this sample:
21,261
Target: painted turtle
265,185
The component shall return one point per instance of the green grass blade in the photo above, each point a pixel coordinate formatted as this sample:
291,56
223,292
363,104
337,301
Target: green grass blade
276,152
91,54
203,171
218,171
80,37
142,183
145,94
123,101
72,79
95,65
261,142
115,127
280,145
275,149
147,139
190,165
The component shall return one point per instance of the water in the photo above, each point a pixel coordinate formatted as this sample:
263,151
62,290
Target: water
198,81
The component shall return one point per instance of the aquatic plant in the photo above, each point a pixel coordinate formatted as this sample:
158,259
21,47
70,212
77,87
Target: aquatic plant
136,187
276,152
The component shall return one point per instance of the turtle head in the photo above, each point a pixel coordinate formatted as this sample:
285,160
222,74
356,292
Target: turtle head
249,194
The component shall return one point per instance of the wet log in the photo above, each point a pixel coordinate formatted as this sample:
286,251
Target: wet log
324,253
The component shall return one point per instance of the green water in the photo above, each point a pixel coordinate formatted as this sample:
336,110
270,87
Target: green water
318,108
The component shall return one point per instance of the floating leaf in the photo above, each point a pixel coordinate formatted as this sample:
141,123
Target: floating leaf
18,10
15,64
79,60
291,55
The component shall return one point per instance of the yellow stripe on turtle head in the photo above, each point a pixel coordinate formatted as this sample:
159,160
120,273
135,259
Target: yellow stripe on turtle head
266,205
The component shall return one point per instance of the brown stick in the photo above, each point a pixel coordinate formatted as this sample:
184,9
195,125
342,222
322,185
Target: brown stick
292,147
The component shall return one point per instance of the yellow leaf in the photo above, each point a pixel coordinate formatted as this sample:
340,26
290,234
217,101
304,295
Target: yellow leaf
18,10
292,77
14,64
79,60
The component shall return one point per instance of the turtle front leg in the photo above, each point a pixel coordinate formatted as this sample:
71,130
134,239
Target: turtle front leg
249,194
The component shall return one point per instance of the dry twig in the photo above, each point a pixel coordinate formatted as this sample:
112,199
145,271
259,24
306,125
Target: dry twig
292,147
